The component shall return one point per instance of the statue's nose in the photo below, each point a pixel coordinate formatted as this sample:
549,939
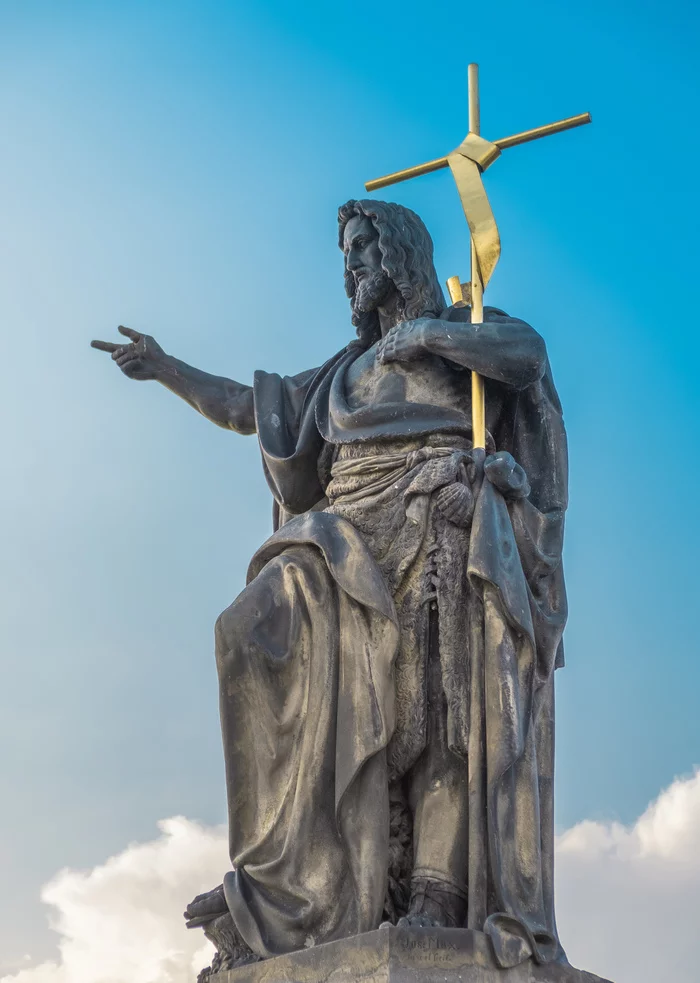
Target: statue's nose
353,261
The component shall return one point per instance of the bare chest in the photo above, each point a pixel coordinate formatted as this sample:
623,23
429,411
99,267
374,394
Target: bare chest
429,380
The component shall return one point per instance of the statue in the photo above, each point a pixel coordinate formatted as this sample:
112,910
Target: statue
386,677
346,666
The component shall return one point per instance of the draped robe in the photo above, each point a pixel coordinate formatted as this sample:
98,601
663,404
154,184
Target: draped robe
310,663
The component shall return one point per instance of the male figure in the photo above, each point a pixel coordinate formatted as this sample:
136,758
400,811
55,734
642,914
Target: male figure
386,676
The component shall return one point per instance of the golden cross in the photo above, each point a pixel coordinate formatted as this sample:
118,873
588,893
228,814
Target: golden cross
467,164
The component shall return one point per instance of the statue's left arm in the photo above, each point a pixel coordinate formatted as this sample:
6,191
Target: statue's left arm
501,348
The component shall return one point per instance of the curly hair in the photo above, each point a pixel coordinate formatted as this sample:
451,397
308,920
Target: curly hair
407,259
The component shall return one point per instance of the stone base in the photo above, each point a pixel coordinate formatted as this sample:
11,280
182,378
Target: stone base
394,955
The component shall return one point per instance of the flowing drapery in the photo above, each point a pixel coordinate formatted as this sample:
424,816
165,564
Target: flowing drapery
315,652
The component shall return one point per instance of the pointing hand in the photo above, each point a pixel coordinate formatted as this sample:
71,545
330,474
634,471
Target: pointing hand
142,358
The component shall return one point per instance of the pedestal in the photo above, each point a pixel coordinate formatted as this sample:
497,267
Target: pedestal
394,955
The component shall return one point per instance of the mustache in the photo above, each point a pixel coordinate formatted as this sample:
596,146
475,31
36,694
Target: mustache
366,273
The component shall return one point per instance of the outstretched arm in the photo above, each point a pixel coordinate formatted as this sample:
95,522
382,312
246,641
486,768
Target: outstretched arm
501,348
225,402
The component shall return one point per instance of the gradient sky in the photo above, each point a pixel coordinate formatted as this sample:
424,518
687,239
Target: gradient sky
177,166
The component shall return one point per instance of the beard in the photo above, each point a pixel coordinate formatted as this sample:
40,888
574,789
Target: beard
371,288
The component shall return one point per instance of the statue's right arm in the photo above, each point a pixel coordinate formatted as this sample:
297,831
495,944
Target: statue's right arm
227,403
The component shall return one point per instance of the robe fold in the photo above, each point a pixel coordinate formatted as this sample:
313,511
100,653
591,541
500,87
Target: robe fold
322,659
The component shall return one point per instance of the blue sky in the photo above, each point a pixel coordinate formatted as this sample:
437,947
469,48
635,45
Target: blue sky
177,167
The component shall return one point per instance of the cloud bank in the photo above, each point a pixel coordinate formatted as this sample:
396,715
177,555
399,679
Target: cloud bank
121,922
628,901
628,898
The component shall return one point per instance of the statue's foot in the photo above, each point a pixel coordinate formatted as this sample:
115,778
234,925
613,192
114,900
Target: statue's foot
205,907
210,913
434,904
419,921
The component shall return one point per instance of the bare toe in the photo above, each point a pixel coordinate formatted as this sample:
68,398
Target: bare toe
206,906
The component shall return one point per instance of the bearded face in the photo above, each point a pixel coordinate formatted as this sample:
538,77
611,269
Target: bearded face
372,288
393,280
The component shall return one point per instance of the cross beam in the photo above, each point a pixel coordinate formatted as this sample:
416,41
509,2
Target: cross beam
503,144
467,163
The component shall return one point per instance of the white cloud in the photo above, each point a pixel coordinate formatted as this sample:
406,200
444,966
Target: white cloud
122,921
628,898
628,901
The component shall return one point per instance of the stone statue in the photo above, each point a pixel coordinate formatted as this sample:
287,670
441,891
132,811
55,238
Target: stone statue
386,677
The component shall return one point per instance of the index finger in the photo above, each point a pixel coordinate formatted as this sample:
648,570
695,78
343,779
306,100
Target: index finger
104,346
129,332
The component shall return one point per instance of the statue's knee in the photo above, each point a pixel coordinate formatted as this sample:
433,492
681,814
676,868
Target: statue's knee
242,620
223,626
231,626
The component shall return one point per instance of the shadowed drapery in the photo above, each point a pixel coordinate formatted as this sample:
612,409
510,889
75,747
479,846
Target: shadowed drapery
313,653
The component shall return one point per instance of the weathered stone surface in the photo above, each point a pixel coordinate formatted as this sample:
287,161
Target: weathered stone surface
387,675
394,955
